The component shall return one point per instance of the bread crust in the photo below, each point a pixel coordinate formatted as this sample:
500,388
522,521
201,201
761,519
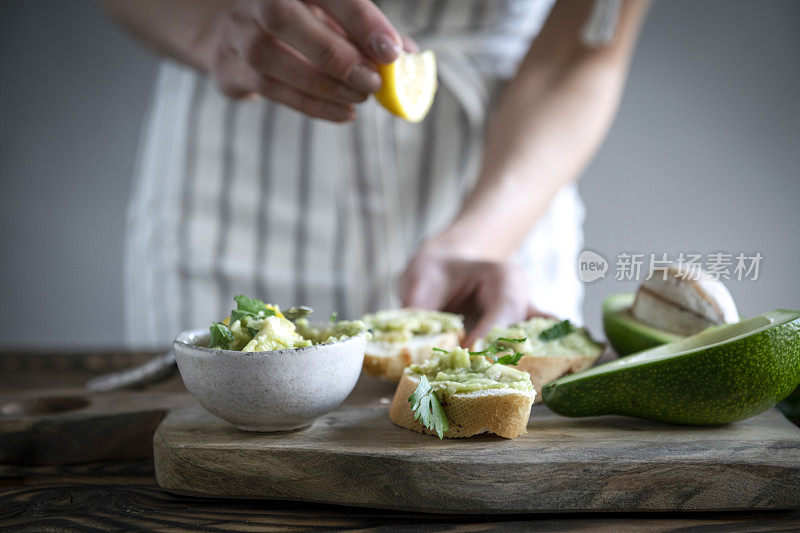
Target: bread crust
504,412
389,365
544,369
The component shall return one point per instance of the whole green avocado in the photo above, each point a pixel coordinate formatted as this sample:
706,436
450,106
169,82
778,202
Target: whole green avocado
718,376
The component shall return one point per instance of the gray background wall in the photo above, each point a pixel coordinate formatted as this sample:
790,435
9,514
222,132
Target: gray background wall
704,156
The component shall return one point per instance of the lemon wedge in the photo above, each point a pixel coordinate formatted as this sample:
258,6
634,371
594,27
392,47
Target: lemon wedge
409,85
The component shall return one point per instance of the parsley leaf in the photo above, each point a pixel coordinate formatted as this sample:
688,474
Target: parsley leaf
333,317
427,409
249,307
221,336
495,348
512,341
509,359
562,329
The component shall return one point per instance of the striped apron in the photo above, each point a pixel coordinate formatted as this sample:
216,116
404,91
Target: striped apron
252,197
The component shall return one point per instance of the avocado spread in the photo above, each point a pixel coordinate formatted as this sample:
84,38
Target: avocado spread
276,333
336,331
459,371
574,341
400,326
255,326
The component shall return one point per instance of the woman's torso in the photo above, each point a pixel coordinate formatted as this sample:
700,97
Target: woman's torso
252,197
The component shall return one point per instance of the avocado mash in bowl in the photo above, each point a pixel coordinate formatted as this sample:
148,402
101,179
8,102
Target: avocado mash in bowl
264,370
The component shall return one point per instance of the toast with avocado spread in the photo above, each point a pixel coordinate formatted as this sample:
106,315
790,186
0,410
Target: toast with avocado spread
461,394
401,337
550,348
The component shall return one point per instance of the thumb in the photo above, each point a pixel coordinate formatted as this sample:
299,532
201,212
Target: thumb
367,26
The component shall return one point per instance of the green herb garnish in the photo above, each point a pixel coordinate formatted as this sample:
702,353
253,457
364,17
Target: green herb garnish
440,350
495,348
562,329
297,312
221,336
333,317
427,409
509,359
249,307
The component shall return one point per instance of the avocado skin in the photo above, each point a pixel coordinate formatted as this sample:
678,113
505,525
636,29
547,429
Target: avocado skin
790,406
708,386
624,333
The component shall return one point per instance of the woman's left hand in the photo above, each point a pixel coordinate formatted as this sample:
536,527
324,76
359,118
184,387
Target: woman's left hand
487,293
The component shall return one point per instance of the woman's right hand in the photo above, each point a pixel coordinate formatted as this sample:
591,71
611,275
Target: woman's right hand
318,56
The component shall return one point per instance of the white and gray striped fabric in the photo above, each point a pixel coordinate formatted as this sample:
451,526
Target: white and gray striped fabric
251,197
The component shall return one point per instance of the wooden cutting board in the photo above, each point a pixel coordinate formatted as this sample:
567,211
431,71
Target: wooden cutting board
47,417
71,425
356,456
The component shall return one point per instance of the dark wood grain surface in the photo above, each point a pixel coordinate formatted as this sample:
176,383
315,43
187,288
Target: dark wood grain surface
125,497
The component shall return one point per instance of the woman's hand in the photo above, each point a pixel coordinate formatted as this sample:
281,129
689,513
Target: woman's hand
487,293
318,57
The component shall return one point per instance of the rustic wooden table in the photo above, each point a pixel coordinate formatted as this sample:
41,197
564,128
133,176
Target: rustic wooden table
124,496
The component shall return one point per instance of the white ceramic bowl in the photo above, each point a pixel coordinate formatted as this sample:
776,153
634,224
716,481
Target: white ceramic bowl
284,390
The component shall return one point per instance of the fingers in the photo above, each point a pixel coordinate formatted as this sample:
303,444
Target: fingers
419,291
423,285
237,80
533,311
410,45
366,26
317,56
503,297
493,293
280,92
294,23
277,61
501,313
487,321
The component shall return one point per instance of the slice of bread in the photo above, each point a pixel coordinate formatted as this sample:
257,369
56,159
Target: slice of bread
504,412
387,360
546,368
547,361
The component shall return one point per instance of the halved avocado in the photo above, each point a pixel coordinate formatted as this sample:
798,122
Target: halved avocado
720,375
626,334
790,406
